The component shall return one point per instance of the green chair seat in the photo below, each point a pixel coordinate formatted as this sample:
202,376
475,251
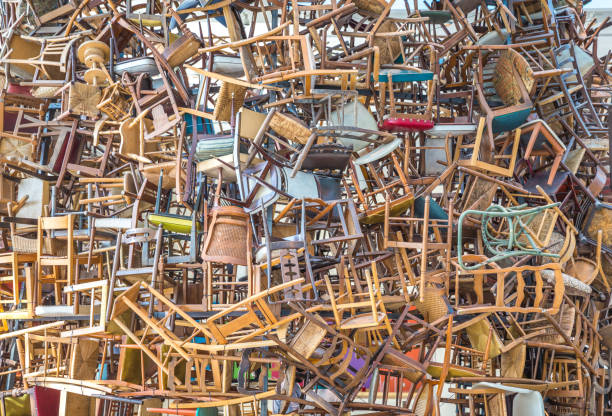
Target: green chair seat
172,223
437,17
17,406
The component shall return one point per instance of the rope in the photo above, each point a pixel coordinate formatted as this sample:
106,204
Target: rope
518,218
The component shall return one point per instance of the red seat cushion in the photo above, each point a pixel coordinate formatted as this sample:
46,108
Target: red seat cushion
19,89
405,124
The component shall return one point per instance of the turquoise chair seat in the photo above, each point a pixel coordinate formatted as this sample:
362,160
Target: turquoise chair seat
403,75
510,121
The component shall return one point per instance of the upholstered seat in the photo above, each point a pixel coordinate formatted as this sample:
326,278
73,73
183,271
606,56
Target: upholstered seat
398,124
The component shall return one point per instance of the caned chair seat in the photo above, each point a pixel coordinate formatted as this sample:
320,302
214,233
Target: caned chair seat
365,320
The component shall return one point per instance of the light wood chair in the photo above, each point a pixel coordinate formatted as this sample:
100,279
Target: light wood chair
226,329
47,229
367,309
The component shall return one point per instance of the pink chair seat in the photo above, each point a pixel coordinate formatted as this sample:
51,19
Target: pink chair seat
394,124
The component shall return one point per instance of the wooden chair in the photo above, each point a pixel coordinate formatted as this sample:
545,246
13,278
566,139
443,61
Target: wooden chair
226,328
127,267
371,186
229,100
19,115
543,141
47,228
96,305
428,219
156,329
535,21
507,302
509,107
442,16
180,230
568,370
401,88
19,271
367,313
331,365
42,60
36,363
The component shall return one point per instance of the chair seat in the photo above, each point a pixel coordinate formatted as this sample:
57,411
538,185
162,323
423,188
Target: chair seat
435,370
22,257
379,152
437,17
541,141
399,124
441,130
583,59
403,75
510,121
541,178
571,283
261,255
493,38
172,223
225,163
362,321
327,156
136,271
214,147
64,310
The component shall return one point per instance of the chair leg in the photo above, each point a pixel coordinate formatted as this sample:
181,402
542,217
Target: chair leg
15,268
488,145
554,168
56,284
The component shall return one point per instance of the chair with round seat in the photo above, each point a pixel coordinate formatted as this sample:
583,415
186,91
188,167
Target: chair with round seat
95,55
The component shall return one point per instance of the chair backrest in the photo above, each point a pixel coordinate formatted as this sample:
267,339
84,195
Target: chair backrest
114,223
509,83
139,235
63,222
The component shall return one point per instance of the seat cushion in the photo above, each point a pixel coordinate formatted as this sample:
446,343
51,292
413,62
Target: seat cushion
403,75
397,124
437,17
510,121
173,224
